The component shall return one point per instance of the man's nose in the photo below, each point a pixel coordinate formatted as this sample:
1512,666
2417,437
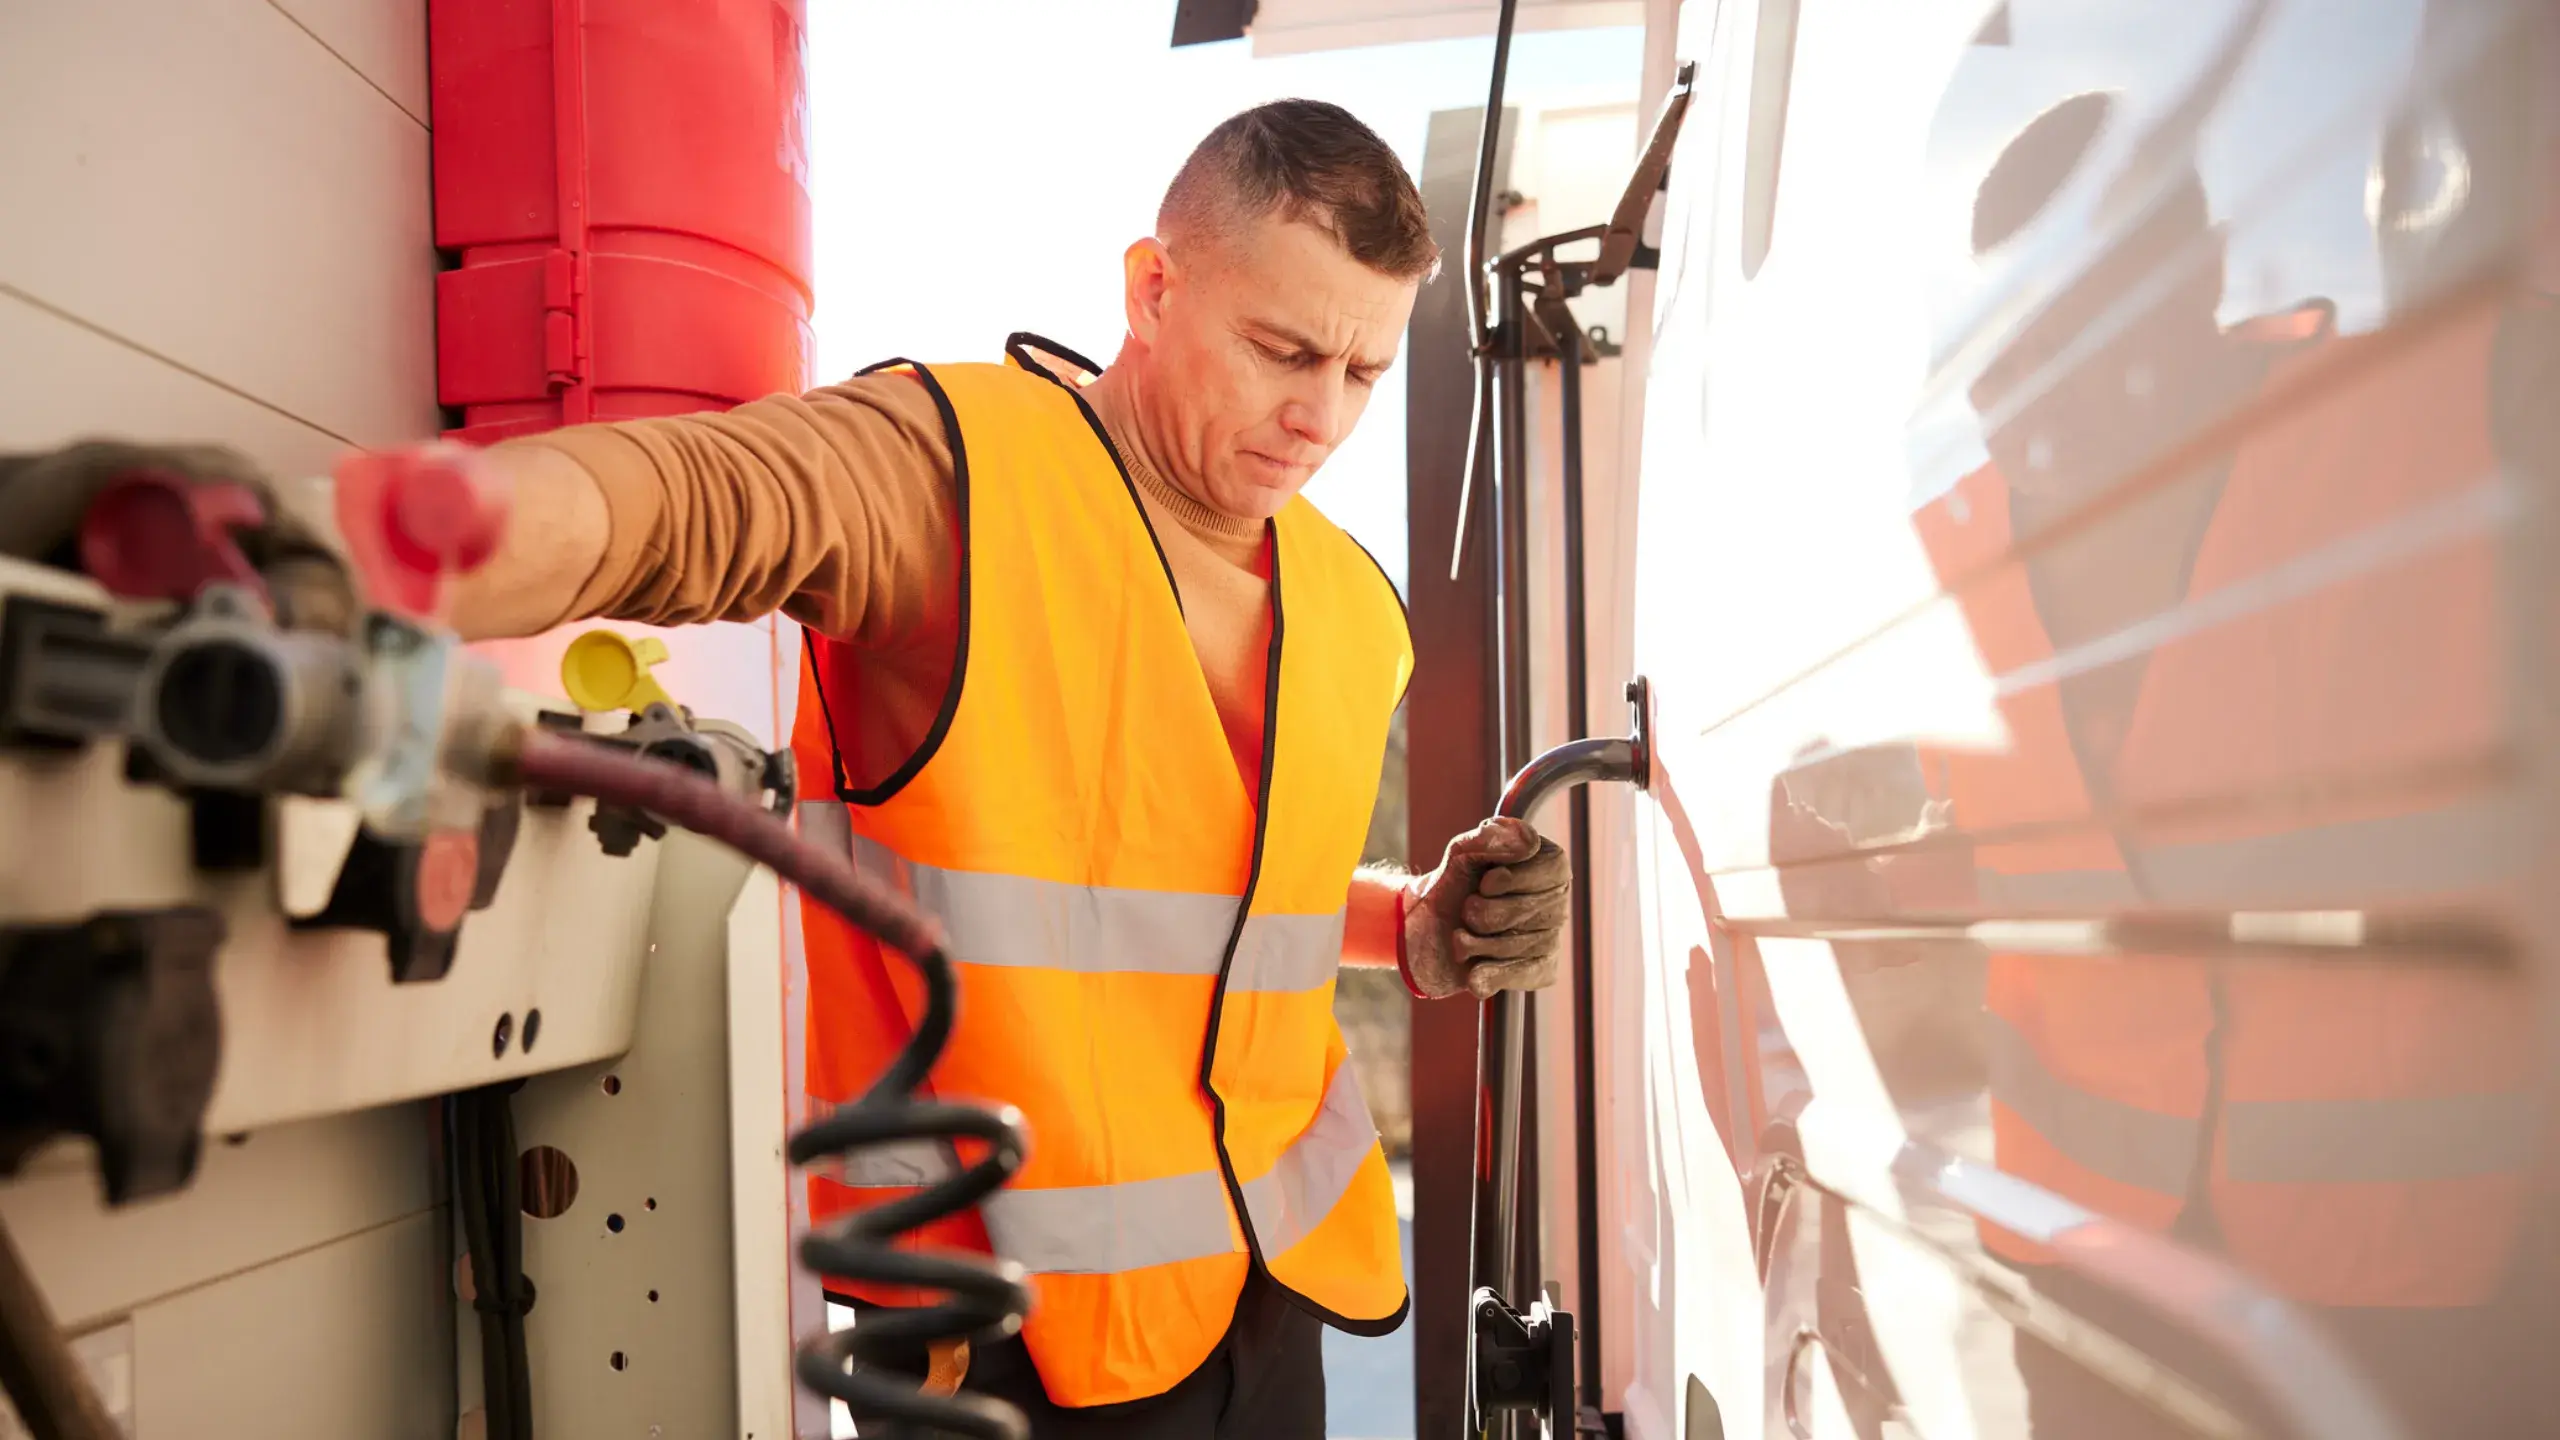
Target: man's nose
1315,413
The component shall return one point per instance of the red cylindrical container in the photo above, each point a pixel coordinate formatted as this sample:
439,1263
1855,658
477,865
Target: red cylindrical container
625,186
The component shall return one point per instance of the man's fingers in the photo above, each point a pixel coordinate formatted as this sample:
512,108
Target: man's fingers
1500,841
1471,947
1493,975
1544,869
1492,915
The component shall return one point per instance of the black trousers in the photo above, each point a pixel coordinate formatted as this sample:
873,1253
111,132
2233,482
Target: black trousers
1264,1381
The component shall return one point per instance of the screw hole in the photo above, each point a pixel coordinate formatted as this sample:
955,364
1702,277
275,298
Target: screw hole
532,1029
649,1204
613,1223
613,1084
653,1297
621,1361
236,1138
505,1032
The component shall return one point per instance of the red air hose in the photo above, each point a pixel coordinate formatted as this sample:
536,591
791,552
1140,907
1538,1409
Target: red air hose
984,1300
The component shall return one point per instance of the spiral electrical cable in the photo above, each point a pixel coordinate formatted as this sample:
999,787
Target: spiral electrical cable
983,1299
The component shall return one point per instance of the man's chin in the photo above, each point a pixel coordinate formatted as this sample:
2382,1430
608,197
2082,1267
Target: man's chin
1241,498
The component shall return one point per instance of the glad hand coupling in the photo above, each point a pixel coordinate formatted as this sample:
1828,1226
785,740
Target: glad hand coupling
253,688
244,655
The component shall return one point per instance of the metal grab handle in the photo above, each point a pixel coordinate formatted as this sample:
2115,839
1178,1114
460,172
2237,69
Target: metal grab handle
1502,1033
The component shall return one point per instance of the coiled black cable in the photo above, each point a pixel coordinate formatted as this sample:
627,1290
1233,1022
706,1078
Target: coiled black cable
982,1299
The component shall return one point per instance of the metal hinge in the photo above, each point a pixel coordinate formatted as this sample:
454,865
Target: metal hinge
564,292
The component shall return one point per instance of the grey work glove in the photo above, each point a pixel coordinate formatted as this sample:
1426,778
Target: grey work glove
1491,917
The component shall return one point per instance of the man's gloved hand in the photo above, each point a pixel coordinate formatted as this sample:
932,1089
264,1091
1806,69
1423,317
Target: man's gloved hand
1491,917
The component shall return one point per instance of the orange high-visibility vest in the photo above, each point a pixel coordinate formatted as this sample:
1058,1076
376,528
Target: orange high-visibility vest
2374,1128
1145,951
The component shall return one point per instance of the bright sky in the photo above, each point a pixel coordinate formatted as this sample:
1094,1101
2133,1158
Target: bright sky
978,167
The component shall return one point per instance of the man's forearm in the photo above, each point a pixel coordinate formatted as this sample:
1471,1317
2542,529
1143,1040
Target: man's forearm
555,539
1375,914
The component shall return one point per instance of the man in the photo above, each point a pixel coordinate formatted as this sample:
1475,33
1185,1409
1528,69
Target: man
1099,689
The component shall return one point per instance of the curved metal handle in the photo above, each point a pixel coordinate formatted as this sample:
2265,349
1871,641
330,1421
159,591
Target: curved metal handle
1502,1026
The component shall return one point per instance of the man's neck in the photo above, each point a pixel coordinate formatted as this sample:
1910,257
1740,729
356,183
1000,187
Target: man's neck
1119,396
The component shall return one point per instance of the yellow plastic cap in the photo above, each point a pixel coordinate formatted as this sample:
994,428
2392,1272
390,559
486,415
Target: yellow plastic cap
605,671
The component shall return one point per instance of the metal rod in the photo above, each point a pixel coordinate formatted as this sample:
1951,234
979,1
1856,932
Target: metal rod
1500,1021
1488,141
1480,206
1577,669
1510,497
1577,762
44,1378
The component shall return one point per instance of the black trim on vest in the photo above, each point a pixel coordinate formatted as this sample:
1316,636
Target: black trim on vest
1020,341
1244,912
1226,966
1401,608
899,778
1365,1329
826,716
1015,346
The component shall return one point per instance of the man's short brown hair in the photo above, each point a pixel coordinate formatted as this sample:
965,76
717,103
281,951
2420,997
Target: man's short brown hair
1304,160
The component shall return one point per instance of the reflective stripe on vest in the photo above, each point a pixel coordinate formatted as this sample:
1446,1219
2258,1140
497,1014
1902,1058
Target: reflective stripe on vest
1098,1229
1015,921
1145,947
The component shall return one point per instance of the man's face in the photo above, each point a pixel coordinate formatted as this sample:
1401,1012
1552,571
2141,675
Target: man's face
1263,351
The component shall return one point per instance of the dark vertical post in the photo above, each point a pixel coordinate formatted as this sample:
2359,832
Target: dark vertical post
1454,768
1502,1021
1577,679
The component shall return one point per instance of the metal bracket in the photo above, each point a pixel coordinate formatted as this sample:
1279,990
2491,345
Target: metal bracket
1520,1363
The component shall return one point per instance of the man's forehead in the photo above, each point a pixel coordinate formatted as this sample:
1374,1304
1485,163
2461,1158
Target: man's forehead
1296,279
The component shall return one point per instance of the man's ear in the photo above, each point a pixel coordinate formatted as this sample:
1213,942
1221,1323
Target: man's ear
1147,274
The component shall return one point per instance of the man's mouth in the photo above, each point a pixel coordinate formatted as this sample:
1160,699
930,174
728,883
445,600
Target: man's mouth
1282,469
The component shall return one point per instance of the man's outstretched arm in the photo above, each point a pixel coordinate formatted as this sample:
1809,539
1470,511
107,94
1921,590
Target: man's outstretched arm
835,507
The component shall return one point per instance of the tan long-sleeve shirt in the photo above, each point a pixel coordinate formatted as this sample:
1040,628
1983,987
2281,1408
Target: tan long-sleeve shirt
837,509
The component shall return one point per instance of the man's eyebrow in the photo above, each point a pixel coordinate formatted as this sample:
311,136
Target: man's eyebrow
1286,336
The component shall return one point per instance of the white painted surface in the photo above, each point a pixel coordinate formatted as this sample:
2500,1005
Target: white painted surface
642,1263
383,41
342,1340
66,381
761,1181
281,1192
206,183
